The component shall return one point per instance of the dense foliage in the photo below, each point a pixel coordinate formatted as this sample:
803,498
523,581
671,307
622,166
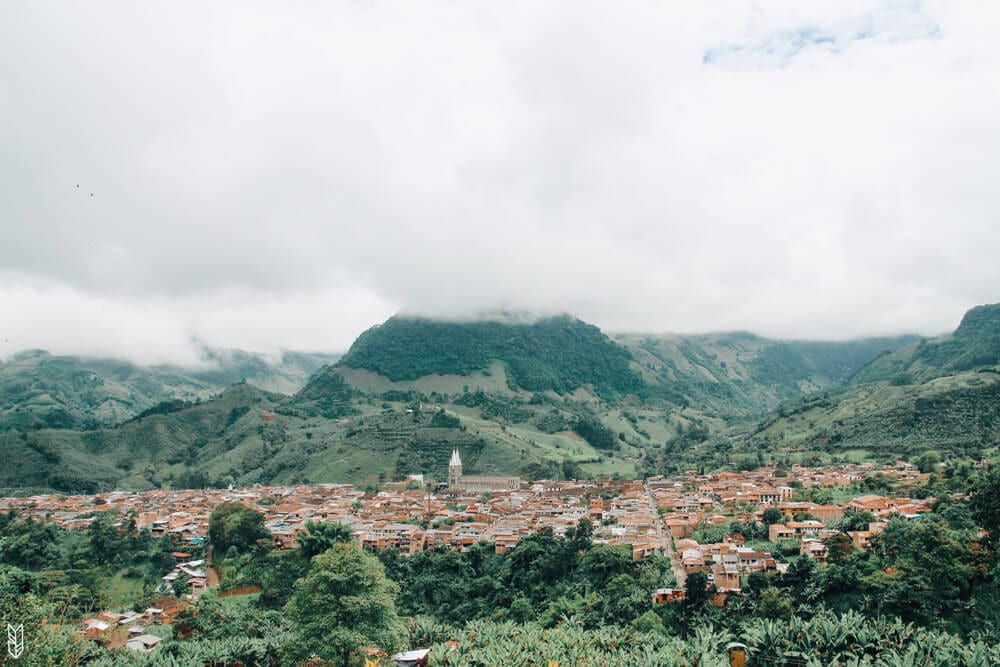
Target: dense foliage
541,579
848,641
343,605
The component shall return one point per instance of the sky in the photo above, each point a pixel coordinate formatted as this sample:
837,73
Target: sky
270,176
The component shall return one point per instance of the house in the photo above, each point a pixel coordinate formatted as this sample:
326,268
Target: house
725,575
417,658
814,550
641,551
778,532
665,595
143,643
95,628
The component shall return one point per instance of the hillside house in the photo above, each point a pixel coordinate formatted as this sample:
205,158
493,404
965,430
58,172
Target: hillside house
143,643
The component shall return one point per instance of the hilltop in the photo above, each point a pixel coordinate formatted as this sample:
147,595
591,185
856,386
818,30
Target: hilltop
558,354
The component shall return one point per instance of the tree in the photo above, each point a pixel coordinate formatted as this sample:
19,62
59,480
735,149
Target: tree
344,604
853,520
603,563
927,462
774,603
772,515
696,593
235,525
106,540
926,570
984,504
321,536
839,546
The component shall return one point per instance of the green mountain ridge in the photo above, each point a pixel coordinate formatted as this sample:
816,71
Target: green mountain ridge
975,343
957,414
40,390
553,398
554,354
940,394
740,374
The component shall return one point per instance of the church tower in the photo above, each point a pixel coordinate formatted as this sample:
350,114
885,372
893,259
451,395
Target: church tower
455,470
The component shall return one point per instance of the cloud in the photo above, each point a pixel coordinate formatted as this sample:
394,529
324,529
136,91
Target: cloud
169,329
271,176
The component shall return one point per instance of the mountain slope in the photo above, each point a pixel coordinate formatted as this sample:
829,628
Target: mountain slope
740,374
958,413
557,354
40,390
550,399
246,436
135,452
942,393
975,343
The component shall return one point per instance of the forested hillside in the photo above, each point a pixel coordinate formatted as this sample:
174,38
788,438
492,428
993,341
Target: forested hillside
40,390
558,354
974,344
552,399
740,374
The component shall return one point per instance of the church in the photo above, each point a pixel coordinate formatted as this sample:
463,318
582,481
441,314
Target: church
478,483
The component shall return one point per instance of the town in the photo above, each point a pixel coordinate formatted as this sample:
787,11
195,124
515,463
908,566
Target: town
683,518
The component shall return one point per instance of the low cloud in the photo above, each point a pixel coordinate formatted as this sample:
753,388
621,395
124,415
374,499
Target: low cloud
269,177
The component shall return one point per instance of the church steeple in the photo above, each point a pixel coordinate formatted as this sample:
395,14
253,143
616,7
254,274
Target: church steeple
455,470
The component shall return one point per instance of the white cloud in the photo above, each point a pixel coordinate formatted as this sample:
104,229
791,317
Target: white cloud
271,176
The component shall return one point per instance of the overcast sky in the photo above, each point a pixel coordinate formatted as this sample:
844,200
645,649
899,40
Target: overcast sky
284,175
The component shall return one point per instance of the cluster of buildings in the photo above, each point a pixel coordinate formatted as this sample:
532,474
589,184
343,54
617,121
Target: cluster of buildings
131,629
656,516
501,510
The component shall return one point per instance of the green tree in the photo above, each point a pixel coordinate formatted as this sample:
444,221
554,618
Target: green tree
926,571
772,515
928,462
235,525
774,603
46,640
984,504
344,604
696,592
107,540
321,536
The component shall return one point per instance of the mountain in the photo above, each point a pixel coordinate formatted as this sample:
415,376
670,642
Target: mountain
41,390
246,436
137,453
941,394
549,398
957,413
558,354
739,374
975,343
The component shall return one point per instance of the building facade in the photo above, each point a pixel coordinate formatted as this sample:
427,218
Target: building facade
478,483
